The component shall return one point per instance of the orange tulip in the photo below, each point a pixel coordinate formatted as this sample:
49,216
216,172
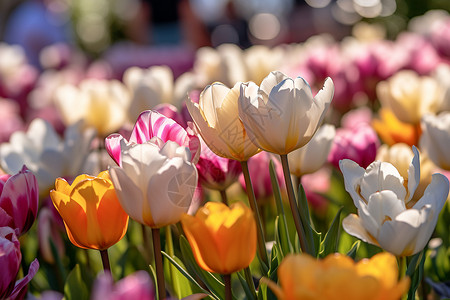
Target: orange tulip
223,239
92,214
392,131
339,277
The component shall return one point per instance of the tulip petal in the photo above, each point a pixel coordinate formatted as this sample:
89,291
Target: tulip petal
352,178
413,174
112,145
435,194
20,288
353,225
130,197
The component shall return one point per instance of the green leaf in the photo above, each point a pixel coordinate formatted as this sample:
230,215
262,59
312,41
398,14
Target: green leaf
177,265
216,286
75,288
415,272
311,236
352,252
247,289
331,240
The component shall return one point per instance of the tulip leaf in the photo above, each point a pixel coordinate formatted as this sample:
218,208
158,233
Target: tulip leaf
331,240
415,272
75,288
352,252
312,237
247,290
282,237
215,286
178,264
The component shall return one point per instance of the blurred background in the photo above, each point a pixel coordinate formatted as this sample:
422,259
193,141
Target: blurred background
176,28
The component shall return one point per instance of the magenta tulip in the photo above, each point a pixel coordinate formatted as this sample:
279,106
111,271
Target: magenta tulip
10,257
134,286
152,124
19,199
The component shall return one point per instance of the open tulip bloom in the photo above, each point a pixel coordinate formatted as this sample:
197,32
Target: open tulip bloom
386,215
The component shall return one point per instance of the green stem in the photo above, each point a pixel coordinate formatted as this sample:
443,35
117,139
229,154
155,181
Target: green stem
105,261
402,265
148,255
227,280
293,203
254,206
249,279
223,197
158,264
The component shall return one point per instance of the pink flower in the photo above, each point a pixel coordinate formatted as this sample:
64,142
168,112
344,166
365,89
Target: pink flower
10,258
359,144
153,124
135,286
19,199
315,185
258,166
216,172
11,120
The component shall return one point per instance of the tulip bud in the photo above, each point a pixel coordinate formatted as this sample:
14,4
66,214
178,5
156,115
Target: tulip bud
222,238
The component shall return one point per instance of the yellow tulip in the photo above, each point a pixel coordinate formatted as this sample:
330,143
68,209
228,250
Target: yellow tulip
392,131
339,277
223,239
92,214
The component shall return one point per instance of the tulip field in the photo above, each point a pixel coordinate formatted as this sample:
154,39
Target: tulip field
313,170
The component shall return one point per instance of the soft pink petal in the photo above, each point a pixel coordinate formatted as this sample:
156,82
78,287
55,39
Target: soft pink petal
112,145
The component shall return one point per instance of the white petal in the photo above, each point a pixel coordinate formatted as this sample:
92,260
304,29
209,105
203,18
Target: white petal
435,194
413,174
382,176
272,80
352,225
352,178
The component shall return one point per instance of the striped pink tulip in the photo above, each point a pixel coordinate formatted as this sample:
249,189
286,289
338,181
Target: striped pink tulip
152,124
19,200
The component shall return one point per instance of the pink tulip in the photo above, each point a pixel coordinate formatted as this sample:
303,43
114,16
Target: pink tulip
153,124
258,166
315,185
216,172
11,120
135,286
21,286
10,257
19,199
50,228
359,144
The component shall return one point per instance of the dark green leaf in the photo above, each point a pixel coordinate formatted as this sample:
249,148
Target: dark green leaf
331,240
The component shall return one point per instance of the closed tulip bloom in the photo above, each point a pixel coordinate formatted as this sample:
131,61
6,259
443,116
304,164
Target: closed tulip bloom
216,117
435,140
156,183
410,96
151,124
338,277
222,238
91,211
216,172
19,200
312,156
387,214
281,115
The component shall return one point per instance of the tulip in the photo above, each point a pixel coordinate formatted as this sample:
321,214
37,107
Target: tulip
153,86
222,238
312,156
217,121
101,104
49,233
19,200
135,286
442,76
281,115
215,172
260,60
91,211
410,96
10,257
45,153
387,215
155,185
359,144
435,140
12,122
391,130
339,277
152,124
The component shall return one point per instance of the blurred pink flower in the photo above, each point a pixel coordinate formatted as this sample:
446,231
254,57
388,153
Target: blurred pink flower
359,144
258,166
216,172
11,120
134,286
440,37
50,227
315,185
10,258
153,124
19,198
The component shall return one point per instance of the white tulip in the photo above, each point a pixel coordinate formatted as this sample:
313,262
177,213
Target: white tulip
435,138
386,215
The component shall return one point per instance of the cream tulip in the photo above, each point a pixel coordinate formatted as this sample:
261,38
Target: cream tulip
281,115
410,96
387,216
435,139
101,104
216,119
155,185
312,156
